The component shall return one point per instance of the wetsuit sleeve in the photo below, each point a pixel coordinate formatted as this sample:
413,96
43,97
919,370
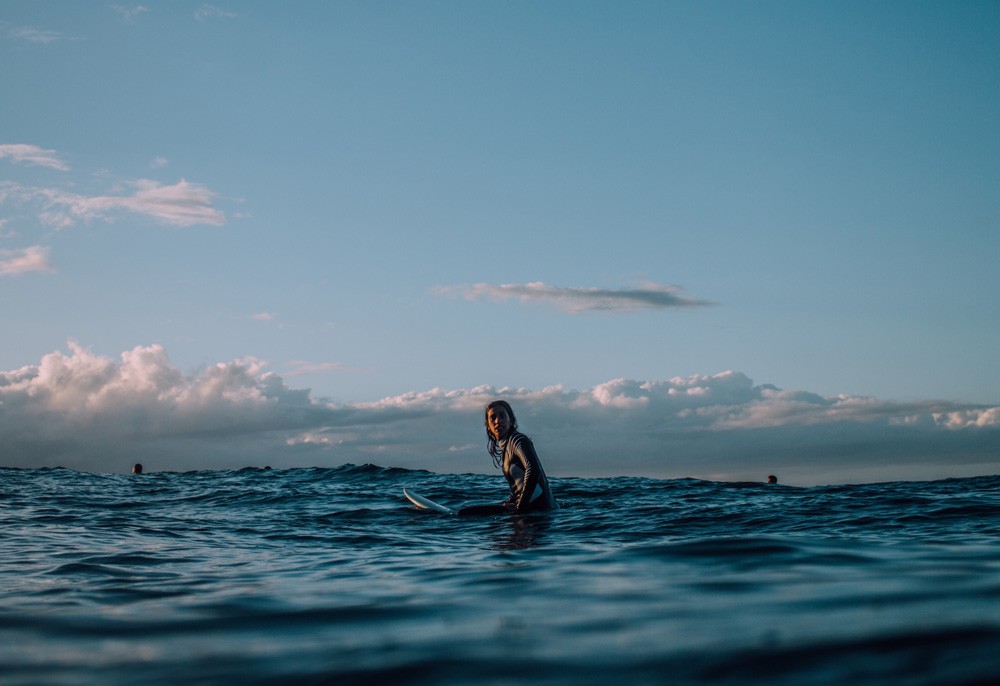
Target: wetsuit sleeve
524,450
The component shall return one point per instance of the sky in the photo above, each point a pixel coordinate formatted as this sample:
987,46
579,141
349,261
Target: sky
684,239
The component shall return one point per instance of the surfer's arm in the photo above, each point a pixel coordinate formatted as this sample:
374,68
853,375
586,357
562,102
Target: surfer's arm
511,501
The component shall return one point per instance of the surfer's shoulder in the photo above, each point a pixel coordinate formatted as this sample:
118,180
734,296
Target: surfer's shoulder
517,438
517,441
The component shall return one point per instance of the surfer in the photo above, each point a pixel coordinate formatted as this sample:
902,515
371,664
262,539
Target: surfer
514,453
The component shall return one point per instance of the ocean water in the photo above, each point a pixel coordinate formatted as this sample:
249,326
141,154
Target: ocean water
315,576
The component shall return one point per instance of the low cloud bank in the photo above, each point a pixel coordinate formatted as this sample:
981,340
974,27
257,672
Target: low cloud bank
90,412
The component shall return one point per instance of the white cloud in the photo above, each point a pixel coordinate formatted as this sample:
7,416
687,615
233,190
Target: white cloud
263,317
33,35
213,12
180,204
92,402
130,12
960,419
644,296
86,411
32,259
32,154
159,162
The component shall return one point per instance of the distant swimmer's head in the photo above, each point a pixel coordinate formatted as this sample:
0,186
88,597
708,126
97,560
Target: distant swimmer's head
772,479
500,419
137,468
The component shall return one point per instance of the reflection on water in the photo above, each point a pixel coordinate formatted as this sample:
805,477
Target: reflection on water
521,532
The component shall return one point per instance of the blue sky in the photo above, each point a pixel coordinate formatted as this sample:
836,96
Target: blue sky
385,201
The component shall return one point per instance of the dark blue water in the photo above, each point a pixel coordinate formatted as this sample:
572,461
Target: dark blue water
330,576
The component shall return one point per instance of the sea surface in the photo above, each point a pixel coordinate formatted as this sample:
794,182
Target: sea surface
315,576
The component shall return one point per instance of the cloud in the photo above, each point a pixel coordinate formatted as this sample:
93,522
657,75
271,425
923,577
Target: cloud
180,204
302,367
32,154
644,296
32,259
263,317
213,12
86,411
130,12
33,35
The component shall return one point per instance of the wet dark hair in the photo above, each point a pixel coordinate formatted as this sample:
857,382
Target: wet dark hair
491,442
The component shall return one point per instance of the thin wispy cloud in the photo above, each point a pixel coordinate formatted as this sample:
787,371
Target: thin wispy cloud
32,259
302,367
179,204
33,35
263,317
32,154
130,12
645,296
213,12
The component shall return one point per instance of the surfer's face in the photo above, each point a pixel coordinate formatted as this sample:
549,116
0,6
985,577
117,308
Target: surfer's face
498,422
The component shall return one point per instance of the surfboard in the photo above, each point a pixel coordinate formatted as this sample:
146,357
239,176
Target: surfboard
426,503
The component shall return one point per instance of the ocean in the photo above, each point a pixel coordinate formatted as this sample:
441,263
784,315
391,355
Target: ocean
328,575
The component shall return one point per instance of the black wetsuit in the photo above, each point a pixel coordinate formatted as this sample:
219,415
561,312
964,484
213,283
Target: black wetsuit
529,488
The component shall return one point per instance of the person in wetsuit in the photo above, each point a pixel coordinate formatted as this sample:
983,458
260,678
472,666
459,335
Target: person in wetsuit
514,453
